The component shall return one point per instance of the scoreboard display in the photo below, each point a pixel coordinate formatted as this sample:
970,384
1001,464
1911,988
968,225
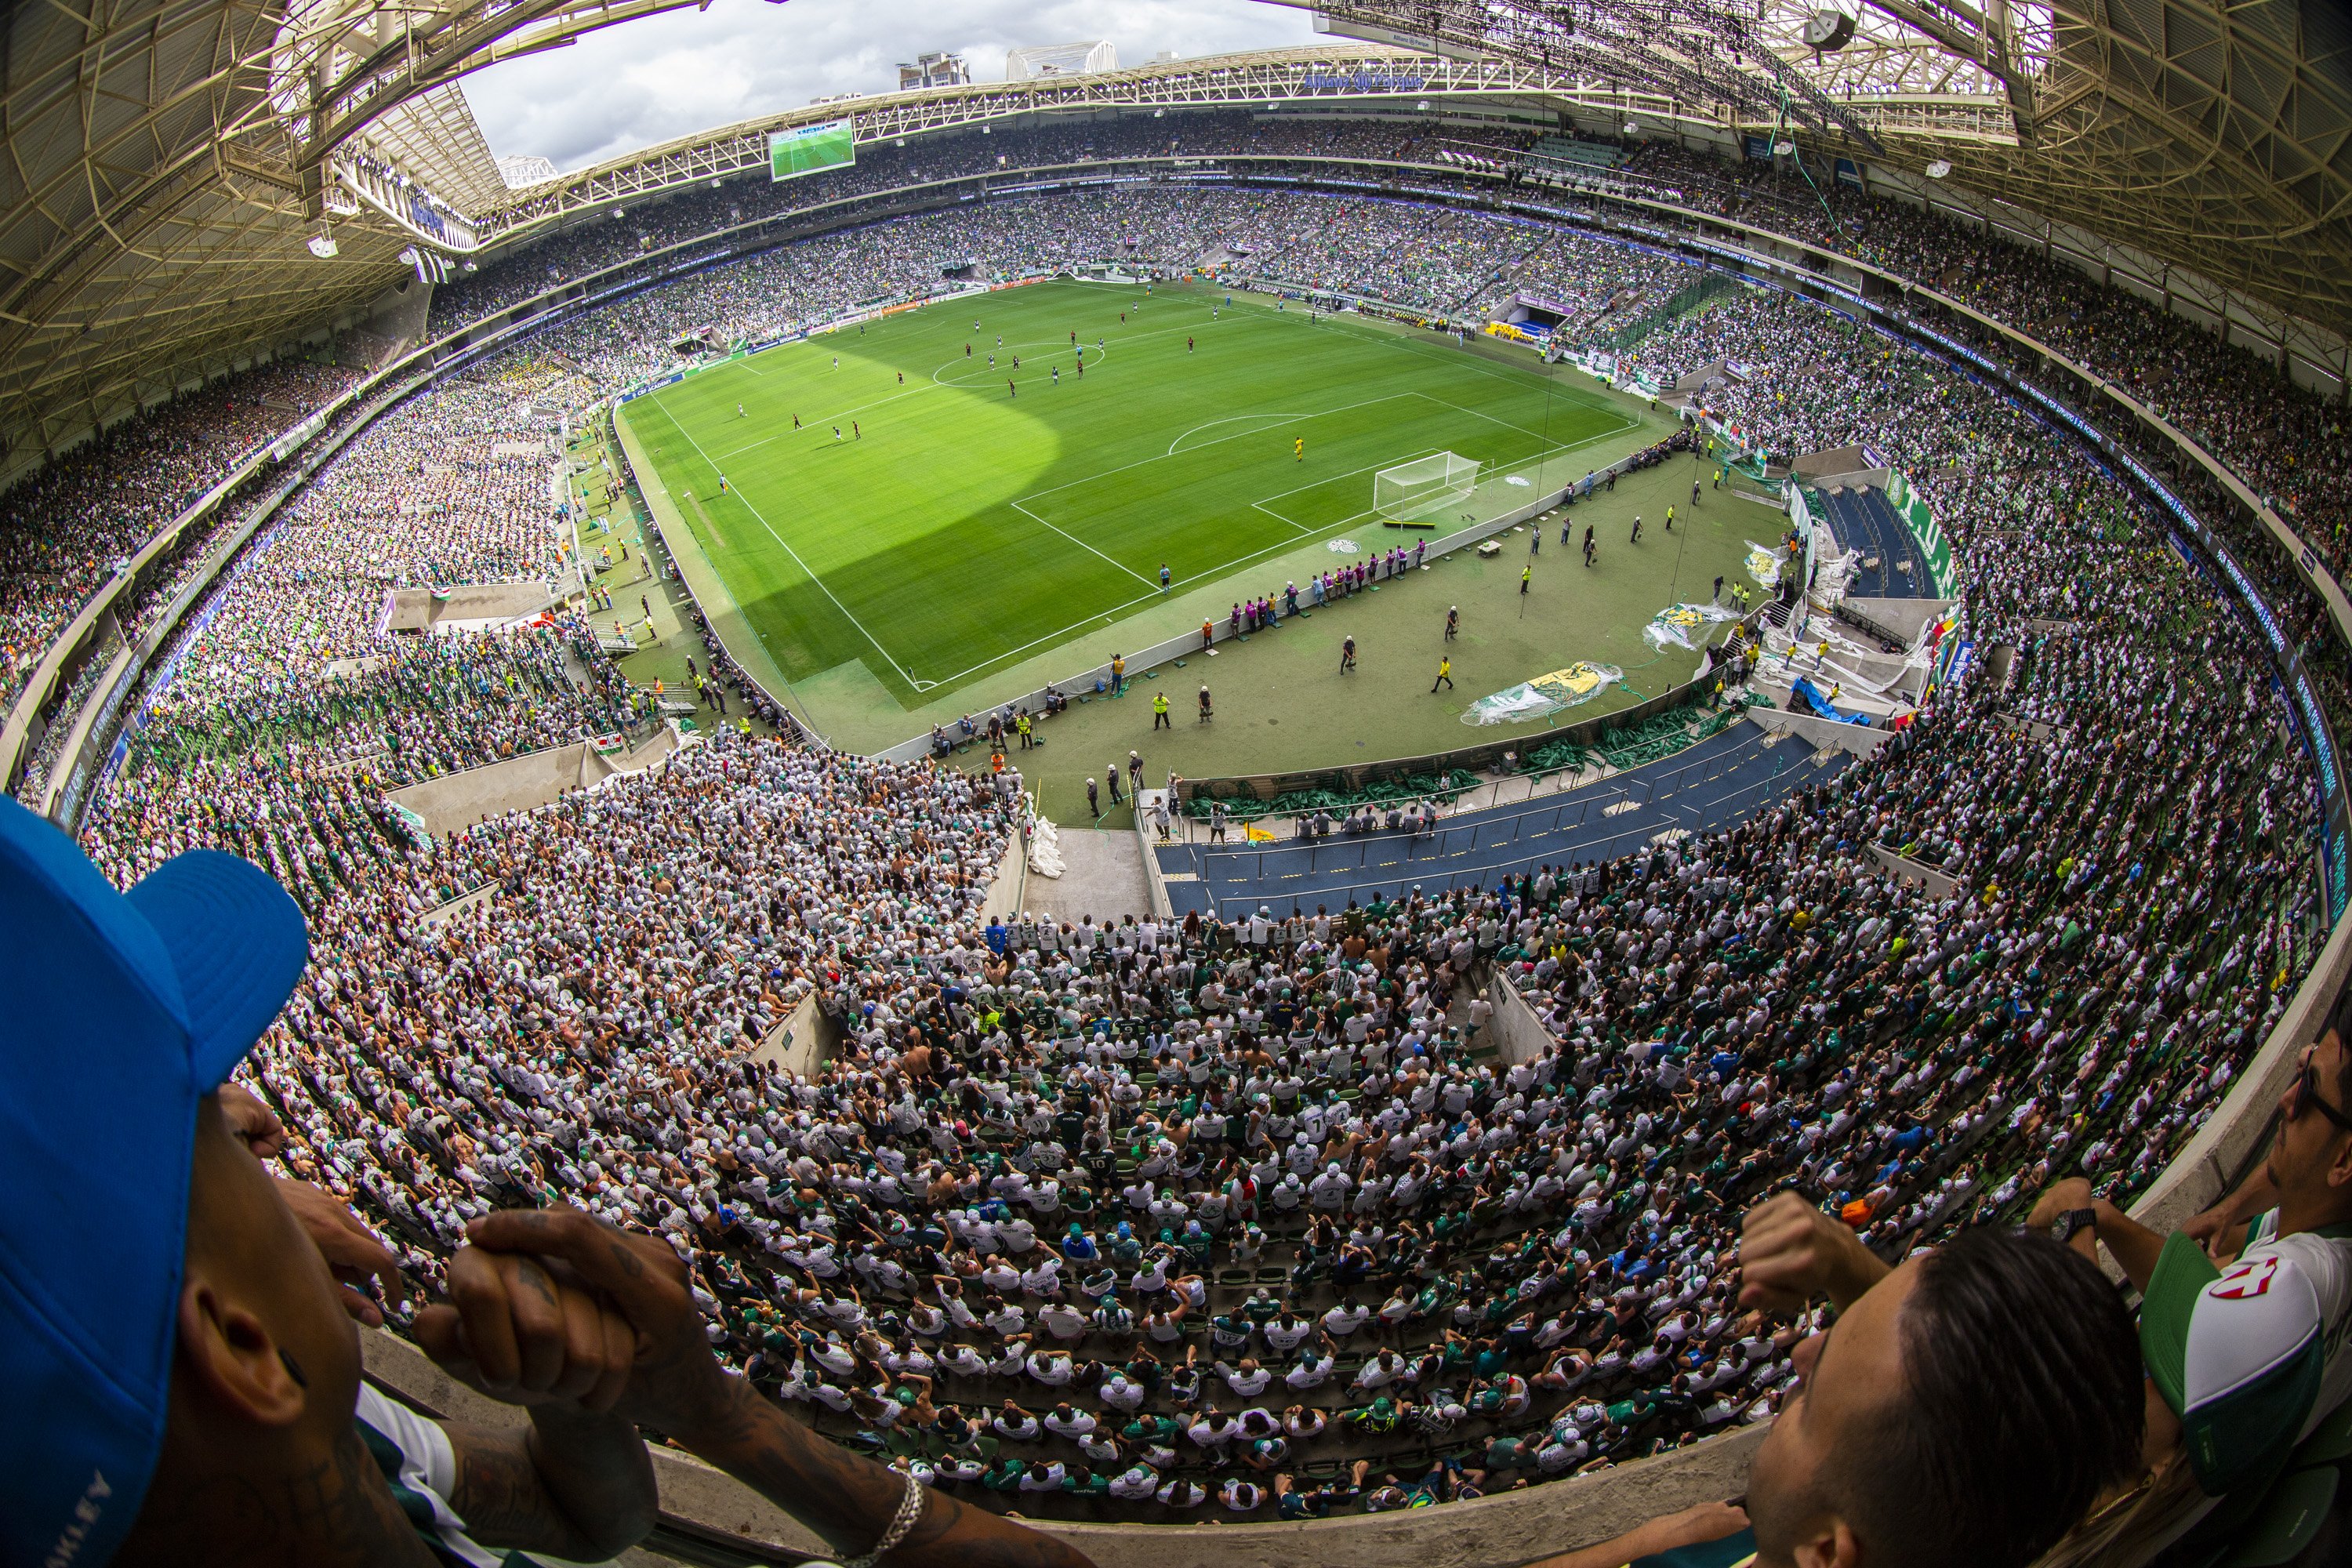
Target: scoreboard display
810,149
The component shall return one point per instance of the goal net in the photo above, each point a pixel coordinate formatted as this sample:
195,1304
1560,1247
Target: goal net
1423,486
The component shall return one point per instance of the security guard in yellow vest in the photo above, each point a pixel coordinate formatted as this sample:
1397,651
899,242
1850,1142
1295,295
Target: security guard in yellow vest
1159,719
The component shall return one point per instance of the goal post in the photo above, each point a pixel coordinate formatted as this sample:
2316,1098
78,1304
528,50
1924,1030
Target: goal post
1409,492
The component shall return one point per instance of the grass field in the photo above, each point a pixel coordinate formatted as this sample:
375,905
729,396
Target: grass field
965,526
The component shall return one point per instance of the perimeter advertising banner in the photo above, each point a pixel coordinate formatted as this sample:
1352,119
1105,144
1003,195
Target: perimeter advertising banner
810,149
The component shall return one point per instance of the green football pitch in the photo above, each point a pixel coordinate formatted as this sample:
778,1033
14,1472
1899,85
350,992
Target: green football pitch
895,502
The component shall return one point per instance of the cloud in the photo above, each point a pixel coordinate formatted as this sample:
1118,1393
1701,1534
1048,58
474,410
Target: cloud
673,75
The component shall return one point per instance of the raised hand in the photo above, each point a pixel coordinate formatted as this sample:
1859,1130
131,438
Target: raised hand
1791,1252
353,1254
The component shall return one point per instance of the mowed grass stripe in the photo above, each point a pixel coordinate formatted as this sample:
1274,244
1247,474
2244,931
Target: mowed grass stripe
955,527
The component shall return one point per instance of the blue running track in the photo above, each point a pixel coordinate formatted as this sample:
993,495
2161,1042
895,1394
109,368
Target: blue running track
1715,785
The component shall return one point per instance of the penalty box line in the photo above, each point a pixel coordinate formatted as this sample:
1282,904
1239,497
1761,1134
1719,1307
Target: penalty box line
1221,569
1537,457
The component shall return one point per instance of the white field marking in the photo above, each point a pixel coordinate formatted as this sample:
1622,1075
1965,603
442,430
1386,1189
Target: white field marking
1297,489
1221,569
795,554
1298,413
1230,419
1163,457
1522,378
1476,414
1083,544
988,373
1541,457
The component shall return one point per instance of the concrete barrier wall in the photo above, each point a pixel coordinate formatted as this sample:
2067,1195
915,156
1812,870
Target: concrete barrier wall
2226,1147
1862,740
1519,1034
1908,618
415,609
459,800
802,1042
1499,1532
1010,885
1148,836
1939,883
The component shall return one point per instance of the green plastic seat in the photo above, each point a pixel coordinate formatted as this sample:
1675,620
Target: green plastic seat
2288,1520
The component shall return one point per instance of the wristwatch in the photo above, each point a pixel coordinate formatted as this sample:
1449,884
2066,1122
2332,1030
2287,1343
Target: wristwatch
2073,1221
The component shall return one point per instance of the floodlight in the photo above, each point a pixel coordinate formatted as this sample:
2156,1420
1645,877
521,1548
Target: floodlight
323,244
1938,169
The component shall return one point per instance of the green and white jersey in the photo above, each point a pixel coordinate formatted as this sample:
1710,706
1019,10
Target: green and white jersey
2251,1357
421,1467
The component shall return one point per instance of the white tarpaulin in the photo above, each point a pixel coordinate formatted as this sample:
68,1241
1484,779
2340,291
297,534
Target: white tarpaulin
1044,848
1676,625
1545,695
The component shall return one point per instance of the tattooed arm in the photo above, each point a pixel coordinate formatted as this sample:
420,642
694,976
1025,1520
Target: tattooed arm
850,1499
575,1486
678,1388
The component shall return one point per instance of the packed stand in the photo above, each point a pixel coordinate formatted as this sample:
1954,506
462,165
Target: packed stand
65,527
1139,1219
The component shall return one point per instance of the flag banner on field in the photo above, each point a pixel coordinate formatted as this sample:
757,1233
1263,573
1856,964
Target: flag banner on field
1342,547
1675,624
1764,563
1544,695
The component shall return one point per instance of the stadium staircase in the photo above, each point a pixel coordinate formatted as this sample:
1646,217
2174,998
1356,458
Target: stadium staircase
1693,296
1862,520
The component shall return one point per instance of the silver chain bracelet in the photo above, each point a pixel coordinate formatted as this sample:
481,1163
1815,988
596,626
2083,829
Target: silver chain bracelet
909,1514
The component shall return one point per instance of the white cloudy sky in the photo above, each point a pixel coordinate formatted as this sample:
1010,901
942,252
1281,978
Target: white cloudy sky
683,71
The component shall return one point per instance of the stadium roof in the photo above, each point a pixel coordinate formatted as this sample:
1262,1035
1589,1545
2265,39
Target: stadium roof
2216,134
170,159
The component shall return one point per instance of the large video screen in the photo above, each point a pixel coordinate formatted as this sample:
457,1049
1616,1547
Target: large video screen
808,149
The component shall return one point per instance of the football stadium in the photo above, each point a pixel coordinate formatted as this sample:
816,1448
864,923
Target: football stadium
1474,785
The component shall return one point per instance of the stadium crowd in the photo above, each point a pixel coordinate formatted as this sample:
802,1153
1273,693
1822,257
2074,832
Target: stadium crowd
66,527
2287,444
1137,1219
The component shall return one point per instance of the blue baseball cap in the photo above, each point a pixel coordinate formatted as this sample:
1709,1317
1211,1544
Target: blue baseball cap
122,1011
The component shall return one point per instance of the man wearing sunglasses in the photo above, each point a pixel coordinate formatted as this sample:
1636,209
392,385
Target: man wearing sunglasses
2246,1308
